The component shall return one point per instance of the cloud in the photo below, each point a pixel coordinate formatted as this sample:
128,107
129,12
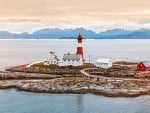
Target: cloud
46,8
31,24
98,15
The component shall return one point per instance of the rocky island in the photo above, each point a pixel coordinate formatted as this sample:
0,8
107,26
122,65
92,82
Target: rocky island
120,80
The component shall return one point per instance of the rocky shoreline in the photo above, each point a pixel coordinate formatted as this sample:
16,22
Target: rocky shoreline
77,85
28,76
114,82
111,87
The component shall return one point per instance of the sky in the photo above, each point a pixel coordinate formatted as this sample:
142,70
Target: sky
98,15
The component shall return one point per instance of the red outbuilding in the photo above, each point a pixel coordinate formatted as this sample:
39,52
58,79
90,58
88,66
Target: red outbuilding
141,67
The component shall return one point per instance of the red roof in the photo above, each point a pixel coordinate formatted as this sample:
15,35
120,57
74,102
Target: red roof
141,67
79,36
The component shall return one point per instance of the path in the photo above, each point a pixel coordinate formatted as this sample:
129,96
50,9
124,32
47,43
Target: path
85,73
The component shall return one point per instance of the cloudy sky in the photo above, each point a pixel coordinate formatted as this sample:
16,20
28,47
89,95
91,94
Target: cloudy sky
97,15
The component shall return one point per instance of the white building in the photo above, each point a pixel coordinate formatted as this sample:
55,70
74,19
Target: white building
103,63
71,59
51,59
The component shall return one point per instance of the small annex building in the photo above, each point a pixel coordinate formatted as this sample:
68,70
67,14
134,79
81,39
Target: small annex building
143,66
71,60
103,63
52,59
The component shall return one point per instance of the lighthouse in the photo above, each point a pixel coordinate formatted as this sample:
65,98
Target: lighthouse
80,48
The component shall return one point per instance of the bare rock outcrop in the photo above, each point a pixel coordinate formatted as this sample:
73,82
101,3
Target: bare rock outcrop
114,88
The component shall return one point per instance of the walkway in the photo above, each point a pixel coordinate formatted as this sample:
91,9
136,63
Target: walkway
85,73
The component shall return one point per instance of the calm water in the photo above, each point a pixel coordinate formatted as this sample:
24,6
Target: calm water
14,52
24,102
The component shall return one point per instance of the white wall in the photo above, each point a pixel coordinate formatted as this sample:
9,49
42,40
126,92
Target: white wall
71,62
103,65
51,60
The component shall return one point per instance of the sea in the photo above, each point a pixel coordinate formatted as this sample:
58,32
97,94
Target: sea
23,51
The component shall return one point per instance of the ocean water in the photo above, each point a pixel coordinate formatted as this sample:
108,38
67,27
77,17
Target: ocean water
24,102
14,52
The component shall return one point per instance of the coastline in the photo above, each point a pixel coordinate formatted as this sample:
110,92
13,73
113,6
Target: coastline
114,86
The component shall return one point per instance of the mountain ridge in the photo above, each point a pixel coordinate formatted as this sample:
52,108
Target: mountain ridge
57,33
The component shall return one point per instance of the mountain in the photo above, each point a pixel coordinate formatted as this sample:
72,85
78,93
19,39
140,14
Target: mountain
114,32
142,33
8,35
56,33
137,34
63,33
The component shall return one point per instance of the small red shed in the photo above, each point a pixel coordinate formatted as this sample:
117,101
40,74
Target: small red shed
141,67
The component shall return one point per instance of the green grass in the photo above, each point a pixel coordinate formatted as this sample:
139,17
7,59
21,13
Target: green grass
85,65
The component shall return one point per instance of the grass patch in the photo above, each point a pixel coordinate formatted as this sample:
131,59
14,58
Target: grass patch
52,66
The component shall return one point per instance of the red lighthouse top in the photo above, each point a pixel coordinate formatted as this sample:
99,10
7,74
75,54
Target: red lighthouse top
79,38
